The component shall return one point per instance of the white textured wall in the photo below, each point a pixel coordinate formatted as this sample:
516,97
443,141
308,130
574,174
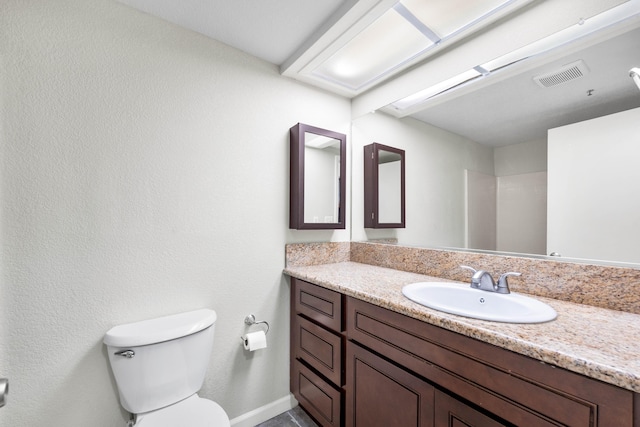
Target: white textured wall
435,178
144,172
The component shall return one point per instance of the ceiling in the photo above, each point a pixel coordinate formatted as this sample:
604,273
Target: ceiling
505,109
269,29
516,109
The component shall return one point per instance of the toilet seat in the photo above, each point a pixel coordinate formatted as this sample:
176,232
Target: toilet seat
193,411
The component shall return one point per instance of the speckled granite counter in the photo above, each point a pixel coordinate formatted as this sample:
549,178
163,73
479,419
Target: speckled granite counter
596,342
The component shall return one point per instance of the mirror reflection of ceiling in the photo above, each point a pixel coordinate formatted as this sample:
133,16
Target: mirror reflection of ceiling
320,141
525,111
301,36
388,157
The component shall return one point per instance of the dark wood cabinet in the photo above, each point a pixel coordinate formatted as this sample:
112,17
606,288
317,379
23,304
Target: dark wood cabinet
384,186
451,412
377,367
317,351
321,399
380,394
320,348
321,305
508,386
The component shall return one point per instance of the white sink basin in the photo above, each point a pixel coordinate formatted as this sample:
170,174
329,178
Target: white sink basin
466,301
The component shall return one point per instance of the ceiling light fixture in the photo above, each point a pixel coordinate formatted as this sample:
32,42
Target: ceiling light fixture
437,89
407,32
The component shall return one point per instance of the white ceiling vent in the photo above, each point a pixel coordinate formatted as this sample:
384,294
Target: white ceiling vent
564,74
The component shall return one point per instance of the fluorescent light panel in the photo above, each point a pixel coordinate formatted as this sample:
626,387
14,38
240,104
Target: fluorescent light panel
400,35
388,41
434,90
448,17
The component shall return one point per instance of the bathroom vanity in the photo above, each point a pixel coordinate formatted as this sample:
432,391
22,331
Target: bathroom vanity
364,355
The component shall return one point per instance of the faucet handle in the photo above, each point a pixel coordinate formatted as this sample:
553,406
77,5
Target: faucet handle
503,284
466,267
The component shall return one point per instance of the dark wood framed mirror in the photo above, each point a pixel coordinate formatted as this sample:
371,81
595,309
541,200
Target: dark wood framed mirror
317,178
384,200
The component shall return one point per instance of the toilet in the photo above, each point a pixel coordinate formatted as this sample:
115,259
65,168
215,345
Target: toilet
159,366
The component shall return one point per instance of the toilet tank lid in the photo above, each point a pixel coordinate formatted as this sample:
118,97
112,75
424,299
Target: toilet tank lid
158,330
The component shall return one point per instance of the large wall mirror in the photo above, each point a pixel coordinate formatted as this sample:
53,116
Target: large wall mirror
384,189
317,188
488,173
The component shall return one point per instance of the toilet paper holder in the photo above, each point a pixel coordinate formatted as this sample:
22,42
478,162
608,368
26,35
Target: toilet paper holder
251,320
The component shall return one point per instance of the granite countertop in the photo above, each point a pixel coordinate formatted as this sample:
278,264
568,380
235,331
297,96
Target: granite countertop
596,342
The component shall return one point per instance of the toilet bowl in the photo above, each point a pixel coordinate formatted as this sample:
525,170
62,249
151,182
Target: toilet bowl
160,365
194,411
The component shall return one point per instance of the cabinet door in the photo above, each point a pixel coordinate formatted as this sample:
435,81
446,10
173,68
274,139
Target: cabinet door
450,412
380,394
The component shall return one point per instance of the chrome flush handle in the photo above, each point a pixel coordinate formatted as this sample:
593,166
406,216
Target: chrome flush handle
4,391
125,353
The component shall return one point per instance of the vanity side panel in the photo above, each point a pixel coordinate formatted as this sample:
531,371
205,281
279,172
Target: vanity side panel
512,386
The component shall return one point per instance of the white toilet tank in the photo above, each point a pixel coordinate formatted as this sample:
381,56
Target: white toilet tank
160,361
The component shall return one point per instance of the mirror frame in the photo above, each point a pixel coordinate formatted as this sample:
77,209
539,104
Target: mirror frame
297,184
371,186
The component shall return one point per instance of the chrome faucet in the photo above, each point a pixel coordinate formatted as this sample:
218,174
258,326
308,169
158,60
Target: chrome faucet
482,280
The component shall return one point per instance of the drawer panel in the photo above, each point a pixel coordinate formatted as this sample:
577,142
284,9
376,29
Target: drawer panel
320,348
316,396
319,304
509,385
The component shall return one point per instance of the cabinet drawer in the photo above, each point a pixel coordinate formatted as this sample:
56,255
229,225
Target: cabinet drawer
319,304
317,396
512,386
320,348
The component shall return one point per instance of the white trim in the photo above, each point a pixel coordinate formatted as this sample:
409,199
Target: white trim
265,412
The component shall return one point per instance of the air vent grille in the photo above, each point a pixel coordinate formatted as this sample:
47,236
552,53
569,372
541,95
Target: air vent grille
566,73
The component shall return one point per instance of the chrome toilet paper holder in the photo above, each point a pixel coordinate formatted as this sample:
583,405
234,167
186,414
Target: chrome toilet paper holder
250,320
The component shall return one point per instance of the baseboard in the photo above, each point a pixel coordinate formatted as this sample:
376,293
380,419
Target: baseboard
263,413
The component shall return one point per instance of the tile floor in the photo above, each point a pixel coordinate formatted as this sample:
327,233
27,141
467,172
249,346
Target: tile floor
293,418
